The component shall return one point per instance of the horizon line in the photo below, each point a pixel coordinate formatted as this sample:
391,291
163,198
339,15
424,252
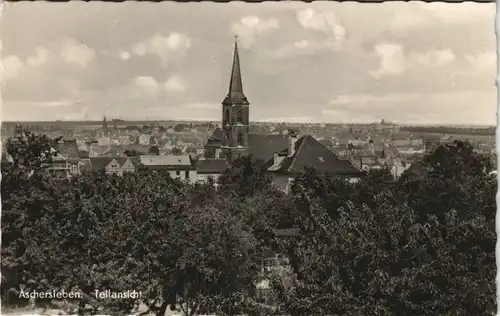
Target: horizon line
110,120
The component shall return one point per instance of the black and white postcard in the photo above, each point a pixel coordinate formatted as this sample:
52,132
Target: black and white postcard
275,158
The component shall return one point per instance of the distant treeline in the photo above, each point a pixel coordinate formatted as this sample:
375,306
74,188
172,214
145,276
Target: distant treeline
449,130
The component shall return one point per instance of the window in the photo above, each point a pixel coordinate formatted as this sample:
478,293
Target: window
177,173
239,118
226,116
186,174
240,139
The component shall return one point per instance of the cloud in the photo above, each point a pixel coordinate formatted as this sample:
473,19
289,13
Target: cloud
45,104
436,58
11,66
189,111
174,84
429,108
419,15
394,61
148,85
41,57
462,13
326,22
361,100
483,60
299,48
124,55
162,46
322,21
74,52
248,28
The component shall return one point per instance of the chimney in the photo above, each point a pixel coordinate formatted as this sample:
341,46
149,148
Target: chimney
292,139
277,159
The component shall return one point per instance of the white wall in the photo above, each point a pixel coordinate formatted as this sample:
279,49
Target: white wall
205,176
181,174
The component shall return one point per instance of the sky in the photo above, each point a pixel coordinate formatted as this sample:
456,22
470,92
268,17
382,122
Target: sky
413,63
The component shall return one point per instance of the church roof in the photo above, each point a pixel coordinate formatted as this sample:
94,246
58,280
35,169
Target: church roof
263,146
216,134
235,94
309,152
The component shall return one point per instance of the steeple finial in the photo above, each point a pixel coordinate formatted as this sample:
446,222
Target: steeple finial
235,94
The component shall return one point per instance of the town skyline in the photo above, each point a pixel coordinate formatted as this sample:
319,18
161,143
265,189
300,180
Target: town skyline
333,70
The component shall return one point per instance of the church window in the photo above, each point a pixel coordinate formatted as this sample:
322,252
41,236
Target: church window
226,116
240,139
240,117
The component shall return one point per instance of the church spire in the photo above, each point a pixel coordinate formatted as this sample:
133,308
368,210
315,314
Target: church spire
235,94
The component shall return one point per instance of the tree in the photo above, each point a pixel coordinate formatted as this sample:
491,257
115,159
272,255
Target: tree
31,152
401,253
153,150
132,153
176,151
245,177
142,231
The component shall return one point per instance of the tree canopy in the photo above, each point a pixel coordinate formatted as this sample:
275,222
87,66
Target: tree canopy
420,245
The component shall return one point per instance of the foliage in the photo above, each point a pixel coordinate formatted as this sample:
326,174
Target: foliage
176,151
153,150
422,245
132,153
244,179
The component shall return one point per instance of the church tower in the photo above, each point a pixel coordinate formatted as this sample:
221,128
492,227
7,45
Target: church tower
235,114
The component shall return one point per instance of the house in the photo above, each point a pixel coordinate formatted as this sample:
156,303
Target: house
124,140
104,141
113,165
399,166
210,169
145,139
179,167
307,152
97,151
67,158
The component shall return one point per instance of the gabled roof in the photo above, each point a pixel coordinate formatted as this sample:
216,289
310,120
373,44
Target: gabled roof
86,165
309,152
172,162
99,164
263,146
68,149
216,134
211,166
325,142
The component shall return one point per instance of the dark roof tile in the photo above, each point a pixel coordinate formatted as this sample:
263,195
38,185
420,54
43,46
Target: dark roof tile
211,166
100,163
263,146
68,148
309,152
